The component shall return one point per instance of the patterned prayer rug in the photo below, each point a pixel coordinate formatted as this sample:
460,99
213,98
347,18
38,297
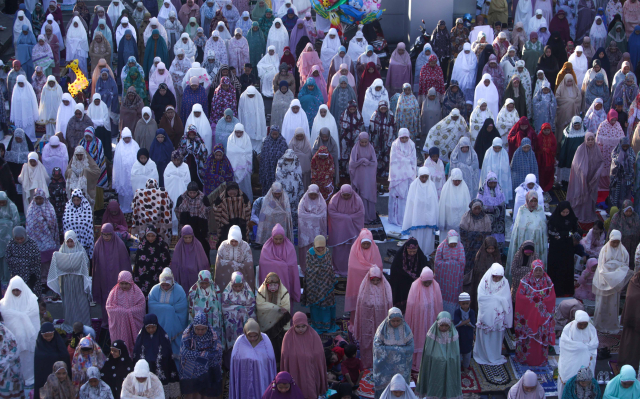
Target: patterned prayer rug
470,382
341,286
367,388
494,379
510,340
544,373
611,341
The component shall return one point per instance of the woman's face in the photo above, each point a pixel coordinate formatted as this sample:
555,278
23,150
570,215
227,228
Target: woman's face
365,244
538,272
496,278
61,374
48,336
115,352
598,106
237,287
301,328
491,249
533,203
547,52
283,388
151,328
278,239
375,280
395,322
200,330
628,212
151,237
188,238
565,212
427,283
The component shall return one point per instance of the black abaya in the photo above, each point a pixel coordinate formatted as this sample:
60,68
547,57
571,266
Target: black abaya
560,262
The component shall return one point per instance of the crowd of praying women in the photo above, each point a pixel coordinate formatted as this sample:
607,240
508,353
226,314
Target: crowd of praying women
118,194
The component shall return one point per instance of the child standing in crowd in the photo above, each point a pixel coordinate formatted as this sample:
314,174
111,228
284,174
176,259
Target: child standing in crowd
464,319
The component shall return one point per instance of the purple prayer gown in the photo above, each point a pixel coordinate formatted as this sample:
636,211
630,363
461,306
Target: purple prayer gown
109,259
345,219
252,369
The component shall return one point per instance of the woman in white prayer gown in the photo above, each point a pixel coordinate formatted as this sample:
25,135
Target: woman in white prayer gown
55,29
77,44
251,115
219,48
267,69
402,172
151,388
454,202
612,275
240,154
293,119
481,113
50,101
495,315
580,64
522,190
507,117
279,38
535,23
24,107
598,33
523,12
202,125
123,27
155,24
65,113
33,176
286,5
163,14
115,10
159,76
578,348
330,47
141,172
55,154
464,71
496,160
421,212
99,114
487,90
374,94
124,157
176,179
21,314
199,72
187,45
223,31
357,45
531,224
321,121
464,157
21,19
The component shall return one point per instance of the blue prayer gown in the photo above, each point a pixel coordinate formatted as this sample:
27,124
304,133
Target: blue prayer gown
172,311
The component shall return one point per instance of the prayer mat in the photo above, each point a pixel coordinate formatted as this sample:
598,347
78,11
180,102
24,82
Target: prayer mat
367,388
557,195
611,341
470,382
377,229
615,368
341,286
510,340
544,373
602,196
494,379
